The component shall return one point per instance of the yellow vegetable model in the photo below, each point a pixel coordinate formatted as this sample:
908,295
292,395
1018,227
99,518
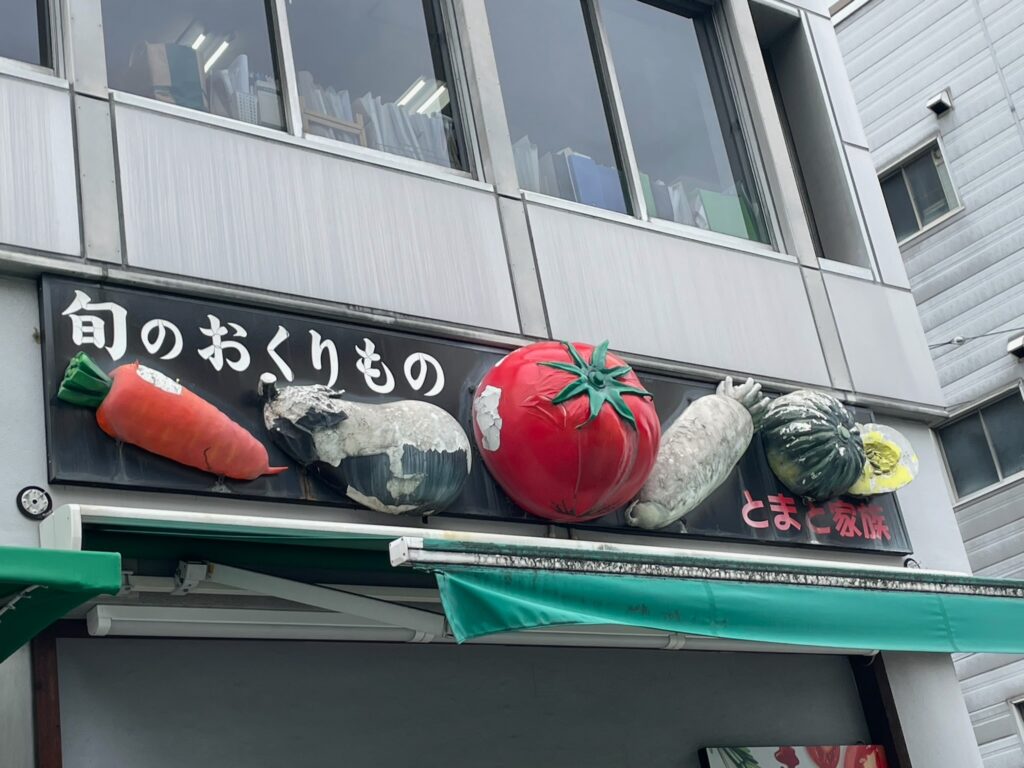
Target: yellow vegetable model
891,462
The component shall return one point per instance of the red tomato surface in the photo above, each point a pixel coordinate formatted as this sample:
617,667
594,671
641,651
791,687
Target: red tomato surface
549,458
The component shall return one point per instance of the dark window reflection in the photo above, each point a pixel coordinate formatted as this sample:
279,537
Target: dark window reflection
556,114
216,57
901,210
377,73
24,31
968,455
1005,423
930,194
690,150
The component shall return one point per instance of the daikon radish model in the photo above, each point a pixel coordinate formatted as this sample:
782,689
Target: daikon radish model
143,407
698,452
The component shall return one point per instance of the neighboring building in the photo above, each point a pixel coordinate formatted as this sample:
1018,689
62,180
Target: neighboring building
939,86
388,196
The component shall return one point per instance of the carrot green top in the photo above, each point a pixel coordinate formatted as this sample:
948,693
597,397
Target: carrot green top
84,382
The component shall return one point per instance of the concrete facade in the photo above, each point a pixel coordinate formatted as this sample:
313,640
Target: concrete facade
98,192
967,271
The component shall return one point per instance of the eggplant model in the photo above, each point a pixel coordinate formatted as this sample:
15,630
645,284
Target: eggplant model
698,452
400,457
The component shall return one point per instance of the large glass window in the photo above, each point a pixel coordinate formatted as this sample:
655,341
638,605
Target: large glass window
556,113
985,446
24,31
214,56
694,166
377,73
692,163
918,192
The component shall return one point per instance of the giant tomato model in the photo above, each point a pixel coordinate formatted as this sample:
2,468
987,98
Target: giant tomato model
566,430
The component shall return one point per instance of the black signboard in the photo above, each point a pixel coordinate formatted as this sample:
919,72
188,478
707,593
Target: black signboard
219,350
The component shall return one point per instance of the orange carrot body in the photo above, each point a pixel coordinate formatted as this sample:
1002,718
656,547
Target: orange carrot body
149,410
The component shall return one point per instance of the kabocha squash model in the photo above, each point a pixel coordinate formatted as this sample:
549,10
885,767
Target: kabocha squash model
145,408
401,457
566,429
698,452
812,444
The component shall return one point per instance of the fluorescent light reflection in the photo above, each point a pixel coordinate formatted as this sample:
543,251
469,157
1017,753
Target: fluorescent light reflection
413,90
441,91
216,55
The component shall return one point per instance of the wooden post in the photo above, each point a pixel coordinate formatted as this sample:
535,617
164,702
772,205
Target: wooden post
46,700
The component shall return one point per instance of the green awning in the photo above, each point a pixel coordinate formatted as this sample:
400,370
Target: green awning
39,586
786,601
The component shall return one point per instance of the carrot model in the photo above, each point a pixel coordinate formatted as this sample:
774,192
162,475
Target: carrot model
138,405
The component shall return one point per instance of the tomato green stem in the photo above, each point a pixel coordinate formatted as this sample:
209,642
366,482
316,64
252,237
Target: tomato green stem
599,383
84,382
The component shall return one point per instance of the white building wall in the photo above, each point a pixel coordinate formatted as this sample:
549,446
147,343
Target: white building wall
966,273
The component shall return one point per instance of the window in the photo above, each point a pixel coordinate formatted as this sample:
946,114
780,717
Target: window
986,445
215,57
694,167
557,116
377,73
24,33
692,162
918,192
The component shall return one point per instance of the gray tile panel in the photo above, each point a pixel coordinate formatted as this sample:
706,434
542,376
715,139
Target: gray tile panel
882,337
38,185
663,296
210,203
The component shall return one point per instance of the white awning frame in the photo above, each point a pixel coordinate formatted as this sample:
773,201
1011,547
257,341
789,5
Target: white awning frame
63,530
349,615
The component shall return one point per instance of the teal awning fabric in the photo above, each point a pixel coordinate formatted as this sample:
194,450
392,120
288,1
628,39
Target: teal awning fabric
39,586
482,601
500,586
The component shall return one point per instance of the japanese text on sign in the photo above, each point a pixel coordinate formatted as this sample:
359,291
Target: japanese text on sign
838,517
104,325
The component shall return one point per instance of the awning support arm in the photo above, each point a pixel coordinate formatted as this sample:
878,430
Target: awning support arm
12,602
328,599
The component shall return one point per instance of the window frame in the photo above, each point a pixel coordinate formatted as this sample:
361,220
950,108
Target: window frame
975,407
748,127
486,162
457,54
1016,705
55,51
899,165
96,41
292,132
625,153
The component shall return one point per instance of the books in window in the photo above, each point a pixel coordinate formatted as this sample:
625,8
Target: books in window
372,122
568,174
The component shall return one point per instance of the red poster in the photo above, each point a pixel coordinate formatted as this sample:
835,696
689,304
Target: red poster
846,756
